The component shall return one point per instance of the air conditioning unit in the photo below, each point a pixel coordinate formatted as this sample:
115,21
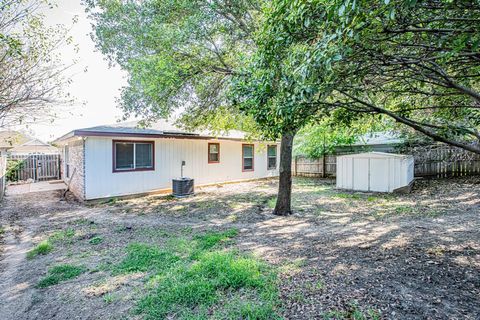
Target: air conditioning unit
182,187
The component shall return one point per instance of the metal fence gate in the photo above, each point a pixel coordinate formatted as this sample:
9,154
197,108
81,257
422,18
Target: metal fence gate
37,167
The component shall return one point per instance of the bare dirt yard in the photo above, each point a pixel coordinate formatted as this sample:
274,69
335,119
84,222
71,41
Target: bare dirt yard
222,255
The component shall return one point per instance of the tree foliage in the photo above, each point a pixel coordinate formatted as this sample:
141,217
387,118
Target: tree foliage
180,55
32,75
317,139
415,62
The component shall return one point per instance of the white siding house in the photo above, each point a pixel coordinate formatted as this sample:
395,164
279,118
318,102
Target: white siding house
374,171
113,161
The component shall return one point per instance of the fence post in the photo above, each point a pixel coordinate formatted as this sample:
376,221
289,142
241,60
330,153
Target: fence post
324,166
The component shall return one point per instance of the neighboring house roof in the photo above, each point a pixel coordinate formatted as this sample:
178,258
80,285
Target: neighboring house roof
34,146
375,154
379,138
160,129
10,139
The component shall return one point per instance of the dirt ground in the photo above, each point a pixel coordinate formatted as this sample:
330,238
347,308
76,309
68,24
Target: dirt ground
414,256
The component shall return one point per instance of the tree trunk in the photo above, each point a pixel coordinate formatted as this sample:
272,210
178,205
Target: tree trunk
283,206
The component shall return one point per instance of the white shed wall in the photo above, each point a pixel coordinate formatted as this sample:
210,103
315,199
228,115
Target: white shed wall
101,182
379,172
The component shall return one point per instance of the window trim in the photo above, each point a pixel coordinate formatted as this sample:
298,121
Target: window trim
276,156
208,153
243,157
114,142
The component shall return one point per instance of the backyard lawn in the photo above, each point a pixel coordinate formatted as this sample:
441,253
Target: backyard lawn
222,255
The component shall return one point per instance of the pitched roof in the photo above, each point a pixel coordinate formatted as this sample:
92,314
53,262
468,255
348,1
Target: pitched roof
379,138
159,129
34,146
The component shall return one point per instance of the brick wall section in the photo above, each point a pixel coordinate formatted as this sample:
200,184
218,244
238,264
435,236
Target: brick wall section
77,165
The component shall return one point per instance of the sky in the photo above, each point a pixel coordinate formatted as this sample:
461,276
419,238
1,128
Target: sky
97,88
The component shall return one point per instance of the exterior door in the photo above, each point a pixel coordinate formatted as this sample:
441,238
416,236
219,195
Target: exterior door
379,175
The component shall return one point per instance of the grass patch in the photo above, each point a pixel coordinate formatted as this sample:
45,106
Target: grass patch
199,278
191,287
348,196
63,235
111,201
2,231
143,257
96,240
42,248
110,298
211,239
404,209
59,274
272,202
353,313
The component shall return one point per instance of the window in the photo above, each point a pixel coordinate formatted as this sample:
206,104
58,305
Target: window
213,152
247,157
133,156
272,157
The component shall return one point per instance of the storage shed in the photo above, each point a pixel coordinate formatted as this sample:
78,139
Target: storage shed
375,171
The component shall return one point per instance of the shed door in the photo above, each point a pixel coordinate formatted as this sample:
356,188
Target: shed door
379,175
360,174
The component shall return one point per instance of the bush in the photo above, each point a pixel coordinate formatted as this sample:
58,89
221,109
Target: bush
13,166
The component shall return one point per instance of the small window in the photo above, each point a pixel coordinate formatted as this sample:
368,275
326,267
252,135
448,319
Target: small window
213,153
132,156
272,157
247,155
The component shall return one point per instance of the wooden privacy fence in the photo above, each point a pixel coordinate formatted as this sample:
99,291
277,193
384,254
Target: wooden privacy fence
443,161
323,167
37,167
430,161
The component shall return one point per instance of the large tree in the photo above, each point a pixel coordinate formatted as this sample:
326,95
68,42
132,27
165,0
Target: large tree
32,74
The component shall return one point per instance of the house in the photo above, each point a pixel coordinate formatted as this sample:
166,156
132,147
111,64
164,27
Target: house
34,146
120,160
9,139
